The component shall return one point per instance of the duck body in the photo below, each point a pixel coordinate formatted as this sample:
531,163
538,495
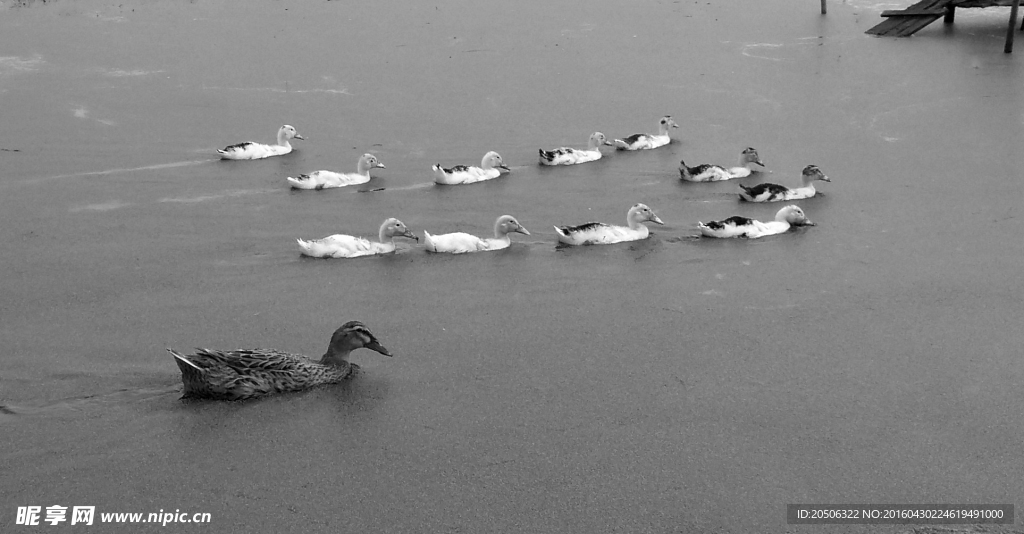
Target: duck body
245,374
346,246
318,180
490,168
643,141
767,192
252,150
737,226
717,173
461,242
573,156
596,233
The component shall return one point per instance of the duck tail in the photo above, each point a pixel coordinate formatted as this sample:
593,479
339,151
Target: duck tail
441,174
187,367
746,193
301,182
306,246
428,242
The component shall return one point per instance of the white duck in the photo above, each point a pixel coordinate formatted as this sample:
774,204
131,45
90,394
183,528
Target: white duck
572,156
595,233
460,242
648,141
490,168
774,193
717,173
737,226
346,246
326,179
251,150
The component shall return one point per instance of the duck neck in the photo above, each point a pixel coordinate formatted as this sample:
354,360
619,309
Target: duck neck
663,129
808,182
335,356
592,144
633,223
382,236
282,139
363,169
504,238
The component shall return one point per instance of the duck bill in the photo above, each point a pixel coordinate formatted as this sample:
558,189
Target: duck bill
297,136
503,166
655,219
759,162
381,166
523,231
825,178
411,235
609,143
375,345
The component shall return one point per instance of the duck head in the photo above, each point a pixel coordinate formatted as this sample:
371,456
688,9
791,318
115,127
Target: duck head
597,139
354,335
749,155
395,228
812,172
642,213
493,160
794,216
369,161
507,224
288,132
666,122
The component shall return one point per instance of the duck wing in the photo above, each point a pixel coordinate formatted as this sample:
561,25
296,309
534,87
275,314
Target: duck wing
581,228
455,243
735,220
339,246
763,192
634,141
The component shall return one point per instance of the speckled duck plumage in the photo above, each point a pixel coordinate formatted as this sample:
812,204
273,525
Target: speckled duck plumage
245,374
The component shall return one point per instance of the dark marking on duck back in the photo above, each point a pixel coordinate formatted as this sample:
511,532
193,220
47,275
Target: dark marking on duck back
701,169
239,146
761,189
583,227
736,220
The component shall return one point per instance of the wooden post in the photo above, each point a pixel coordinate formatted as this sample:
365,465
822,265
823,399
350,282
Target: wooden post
950,14
1013,23
824,9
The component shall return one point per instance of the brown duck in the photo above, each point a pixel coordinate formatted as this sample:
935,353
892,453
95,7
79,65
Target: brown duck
244,374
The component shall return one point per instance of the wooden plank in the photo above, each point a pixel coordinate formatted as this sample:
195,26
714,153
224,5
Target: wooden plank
913,13
902,26
912,19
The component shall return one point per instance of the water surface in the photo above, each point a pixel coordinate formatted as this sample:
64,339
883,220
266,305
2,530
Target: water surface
669,385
